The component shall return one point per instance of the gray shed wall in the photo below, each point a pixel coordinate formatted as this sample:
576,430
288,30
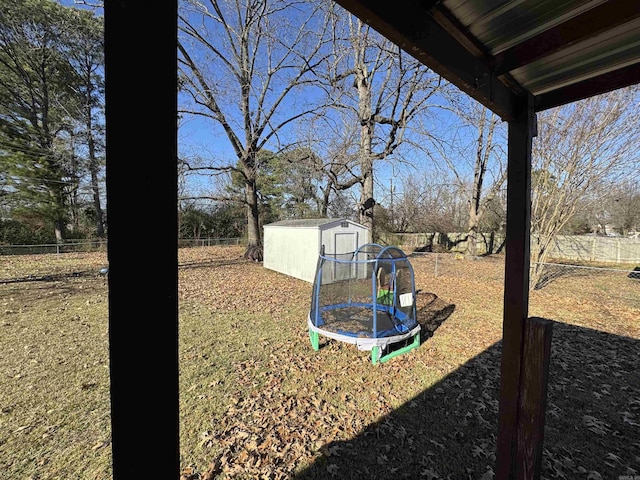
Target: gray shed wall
294,250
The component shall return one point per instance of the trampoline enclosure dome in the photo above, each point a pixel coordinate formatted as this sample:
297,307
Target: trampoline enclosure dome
366,298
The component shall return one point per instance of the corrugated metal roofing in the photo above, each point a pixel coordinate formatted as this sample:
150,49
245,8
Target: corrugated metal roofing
559,51
504,24
501,24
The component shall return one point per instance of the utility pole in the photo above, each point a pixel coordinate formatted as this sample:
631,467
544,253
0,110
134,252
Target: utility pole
393,224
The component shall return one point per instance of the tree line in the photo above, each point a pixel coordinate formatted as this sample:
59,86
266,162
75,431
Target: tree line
363,106
307,112
51,120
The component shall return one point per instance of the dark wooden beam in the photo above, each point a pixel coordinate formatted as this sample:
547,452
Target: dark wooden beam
586,25
533,397
516,284
141,152
412,27
607,82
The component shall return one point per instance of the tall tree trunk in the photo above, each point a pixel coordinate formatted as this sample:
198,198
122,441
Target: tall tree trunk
366,216
324,206
97,205
58,226
366,141
74,209
478,203
472,233
59,211
93,169
253,221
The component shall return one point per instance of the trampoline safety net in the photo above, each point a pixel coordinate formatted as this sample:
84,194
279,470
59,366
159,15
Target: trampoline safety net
366,297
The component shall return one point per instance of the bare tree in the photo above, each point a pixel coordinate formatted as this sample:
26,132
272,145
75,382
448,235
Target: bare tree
578,146
625,205
428,203
470,148
333,163
243,65
613,207
380,89
489,172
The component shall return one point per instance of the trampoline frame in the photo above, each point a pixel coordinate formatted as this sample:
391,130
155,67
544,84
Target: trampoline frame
380,341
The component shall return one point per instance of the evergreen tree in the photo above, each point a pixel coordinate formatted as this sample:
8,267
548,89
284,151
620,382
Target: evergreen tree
40,101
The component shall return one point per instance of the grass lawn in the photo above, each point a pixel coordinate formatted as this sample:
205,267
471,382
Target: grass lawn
257,402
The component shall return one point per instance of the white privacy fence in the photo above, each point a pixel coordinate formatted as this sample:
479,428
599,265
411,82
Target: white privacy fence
589,248
583,248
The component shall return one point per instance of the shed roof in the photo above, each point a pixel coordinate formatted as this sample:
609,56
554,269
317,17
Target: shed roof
309,222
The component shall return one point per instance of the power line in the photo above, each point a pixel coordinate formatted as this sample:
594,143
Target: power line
46,180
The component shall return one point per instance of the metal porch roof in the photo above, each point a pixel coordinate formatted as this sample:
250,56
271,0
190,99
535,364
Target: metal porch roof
559,51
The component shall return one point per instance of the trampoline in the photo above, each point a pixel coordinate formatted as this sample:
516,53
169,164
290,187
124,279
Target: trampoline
366,298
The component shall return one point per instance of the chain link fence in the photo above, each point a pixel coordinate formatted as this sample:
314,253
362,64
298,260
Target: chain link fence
100,245
66,247
436,264
615,284
609,284
207,242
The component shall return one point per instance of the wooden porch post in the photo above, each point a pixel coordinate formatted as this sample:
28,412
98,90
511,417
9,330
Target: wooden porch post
516,286
141,147
533,398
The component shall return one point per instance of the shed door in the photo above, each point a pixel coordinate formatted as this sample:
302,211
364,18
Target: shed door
346,242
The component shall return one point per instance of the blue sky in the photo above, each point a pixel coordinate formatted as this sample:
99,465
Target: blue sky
203,137
88,5
198,136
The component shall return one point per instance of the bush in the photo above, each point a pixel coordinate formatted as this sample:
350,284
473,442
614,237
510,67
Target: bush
13,232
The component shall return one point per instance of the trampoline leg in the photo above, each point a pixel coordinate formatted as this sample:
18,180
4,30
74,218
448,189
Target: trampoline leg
408,348
375,355
315,339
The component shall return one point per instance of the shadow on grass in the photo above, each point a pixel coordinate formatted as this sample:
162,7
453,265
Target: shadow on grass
432,311
213,263
56,277
449,430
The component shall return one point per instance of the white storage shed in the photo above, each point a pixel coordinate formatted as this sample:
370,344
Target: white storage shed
292,246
